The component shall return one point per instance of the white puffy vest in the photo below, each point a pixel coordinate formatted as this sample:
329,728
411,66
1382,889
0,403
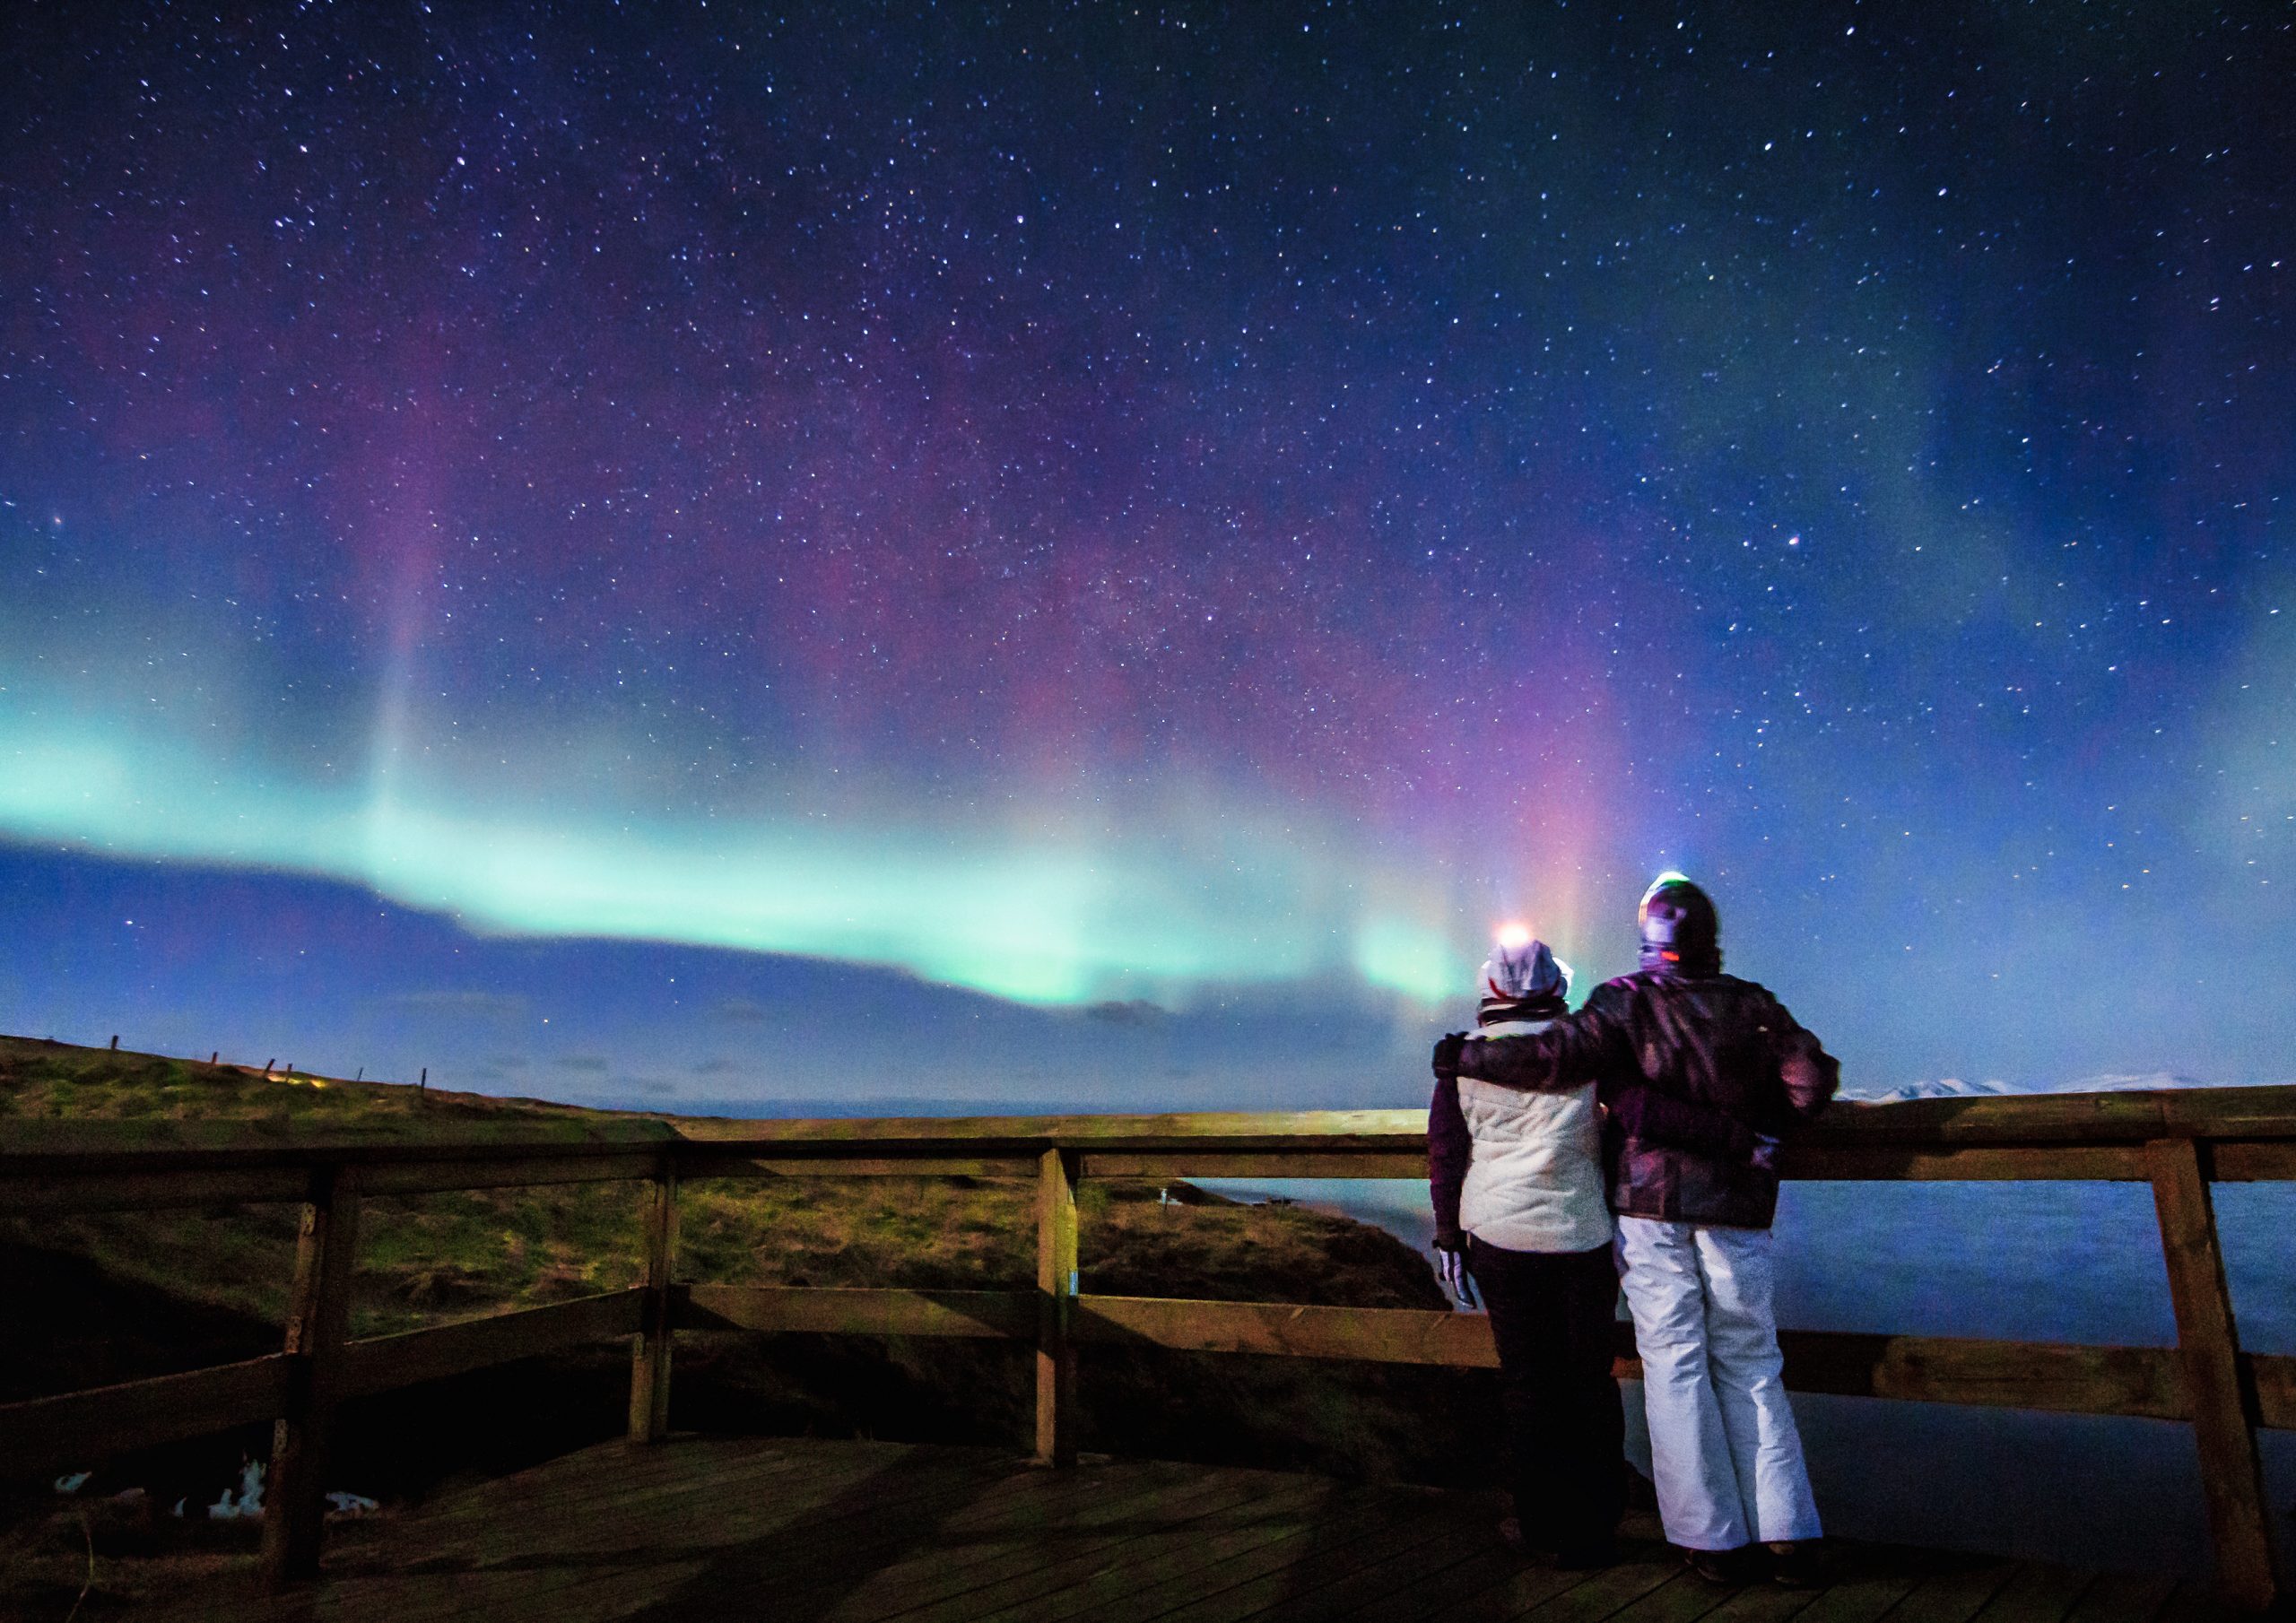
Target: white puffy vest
1534,1182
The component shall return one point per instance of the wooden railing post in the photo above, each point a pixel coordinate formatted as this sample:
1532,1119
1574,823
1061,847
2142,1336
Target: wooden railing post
318,1325
649,1354
2208,1346
1055,1306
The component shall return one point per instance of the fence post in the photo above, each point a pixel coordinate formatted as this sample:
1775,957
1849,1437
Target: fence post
1056,1303
319,1323
649,1353
2223,1416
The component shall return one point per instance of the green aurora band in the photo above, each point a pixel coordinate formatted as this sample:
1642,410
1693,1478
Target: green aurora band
1043,918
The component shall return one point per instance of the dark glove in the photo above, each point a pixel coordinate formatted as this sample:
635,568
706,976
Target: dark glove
1451,1267
1447,1054
1764,1158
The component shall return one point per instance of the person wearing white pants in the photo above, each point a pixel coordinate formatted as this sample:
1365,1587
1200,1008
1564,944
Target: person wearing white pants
1701,1076
1730,1472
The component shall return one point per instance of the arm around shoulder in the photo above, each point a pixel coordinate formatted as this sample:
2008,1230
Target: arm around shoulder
1576,1049
1812,1076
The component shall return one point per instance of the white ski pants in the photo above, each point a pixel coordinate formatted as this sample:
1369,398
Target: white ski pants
1724,1449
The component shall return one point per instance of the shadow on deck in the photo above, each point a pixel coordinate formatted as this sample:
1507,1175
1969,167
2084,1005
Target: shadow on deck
807,1531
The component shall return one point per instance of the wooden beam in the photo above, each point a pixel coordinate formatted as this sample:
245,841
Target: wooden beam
2062,1379
78,1429
2273,1375
386,1363
429,1176
54,1193
711,1165
2232,1478
2253,1161
2016,1375
649,1350
1213,1163
318,1315
1057,1269
1874,1163
822,1310
1385,1335
1078,1131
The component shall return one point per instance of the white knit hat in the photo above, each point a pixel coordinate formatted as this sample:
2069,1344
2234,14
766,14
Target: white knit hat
1517,971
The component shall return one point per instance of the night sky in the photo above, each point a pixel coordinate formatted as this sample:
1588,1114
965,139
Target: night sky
1090,555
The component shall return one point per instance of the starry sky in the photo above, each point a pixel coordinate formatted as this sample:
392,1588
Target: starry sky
1090,555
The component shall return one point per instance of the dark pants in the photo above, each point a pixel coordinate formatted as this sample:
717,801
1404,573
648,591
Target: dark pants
1552,1313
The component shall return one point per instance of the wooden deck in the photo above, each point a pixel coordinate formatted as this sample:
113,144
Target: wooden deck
804,1531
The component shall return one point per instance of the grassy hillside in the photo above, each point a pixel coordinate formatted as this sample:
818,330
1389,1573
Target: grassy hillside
138,1293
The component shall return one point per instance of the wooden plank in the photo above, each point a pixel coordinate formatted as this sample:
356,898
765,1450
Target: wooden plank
43,1170
2120,1597
1334,1584
385,1175
75,1431
55,1194
1256,1164
2231,1477
2192,1602
2273,1376
827,1310
1386,1335
1025,1580
318,1317
1005,1552
1763,1603
1147,1575
1874,1163
2042,1593
2060,1378
2256,1112
807,1517
713,1166
1683,1599
1861,1598
161,1177
603,1493
1077,1132
385,1362
1493,1581
1182,1565
699,1555
1606,1591
1954,1594
649,1351
1056,1360
803,1559
2253,1161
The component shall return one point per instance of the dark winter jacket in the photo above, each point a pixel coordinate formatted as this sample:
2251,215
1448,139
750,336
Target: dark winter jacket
1656,1041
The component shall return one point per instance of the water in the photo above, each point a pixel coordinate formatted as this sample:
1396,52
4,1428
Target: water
2017,1261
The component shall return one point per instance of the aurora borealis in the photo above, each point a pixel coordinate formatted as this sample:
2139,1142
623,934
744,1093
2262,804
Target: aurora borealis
1109,547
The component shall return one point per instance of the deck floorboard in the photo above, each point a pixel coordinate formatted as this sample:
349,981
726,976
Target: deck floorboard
817,1530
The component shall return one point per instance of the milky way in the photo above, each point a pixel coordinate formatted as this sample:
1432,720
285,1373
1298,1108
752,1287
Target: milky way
1123,508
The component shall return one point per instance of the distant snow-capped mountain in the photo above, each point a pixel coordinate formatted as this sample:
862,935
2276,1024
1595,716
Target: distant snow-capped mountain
1953,1088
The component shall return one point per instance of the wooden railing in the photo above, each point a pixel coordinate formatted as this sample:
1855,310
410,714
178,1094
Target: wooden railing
2178,1143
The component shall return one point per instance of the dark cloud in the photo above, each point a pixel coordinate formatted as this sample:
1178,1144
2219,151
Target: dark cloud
1136,1012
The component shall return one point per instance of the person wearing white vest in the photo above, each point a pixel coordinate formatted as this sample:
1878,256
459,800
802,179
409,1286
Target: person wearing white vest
1517,1181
